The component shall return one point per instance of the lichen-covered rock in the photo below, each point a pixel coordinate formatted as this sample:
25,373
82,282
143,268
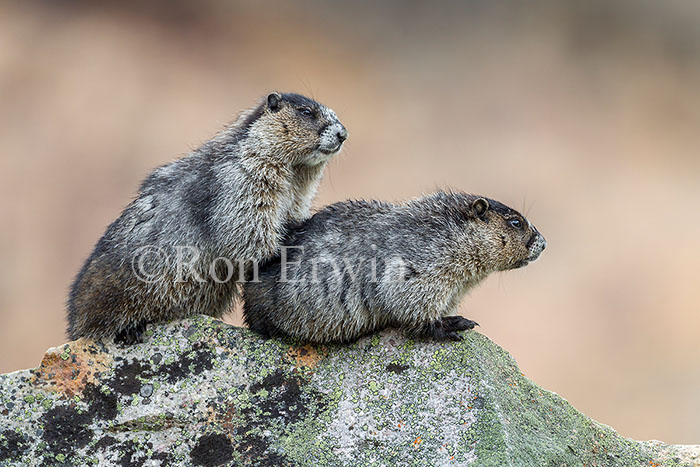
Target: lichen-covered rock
200,392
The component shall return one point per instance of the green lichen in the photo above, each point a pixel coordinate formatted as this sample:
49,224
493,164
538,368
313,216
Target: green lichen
66,352
549,418
384,400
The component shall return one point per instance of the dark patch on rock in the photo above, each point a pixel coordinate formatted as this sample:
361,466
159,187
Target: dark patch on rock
396,368
188,364
133,455
65,429
287,401
284,398
271,381
12,445
165,457
255,449
104,443
212,450
125,379
103,406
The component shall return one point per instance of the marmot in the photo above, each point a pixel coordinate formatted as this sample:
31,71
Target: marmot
225,203
356,267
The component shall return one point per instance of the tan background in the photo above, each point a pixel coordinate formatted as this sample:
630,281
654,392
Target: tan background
587,117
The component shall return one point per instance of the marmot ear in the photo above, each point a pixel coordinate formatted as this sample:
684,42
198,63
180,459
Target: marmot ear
274,101
480,206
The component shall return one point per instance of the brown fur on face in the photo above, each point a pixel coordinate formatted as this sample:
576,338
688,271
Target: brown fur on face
514,240
494,238
298,129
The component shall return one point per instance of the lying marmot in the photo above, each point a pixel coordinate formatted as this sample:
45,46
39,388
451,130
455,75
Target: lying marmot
357,267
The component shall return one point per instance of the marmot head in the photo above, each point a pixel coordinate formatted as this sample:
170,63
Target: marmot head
299,129
486,235
511,240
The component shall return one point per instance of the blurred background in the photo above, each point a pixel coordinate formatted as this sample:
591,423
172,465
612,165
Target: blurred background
585,115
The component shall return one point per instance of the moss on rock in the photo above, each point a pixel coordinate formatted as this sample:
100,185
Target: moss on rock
200,392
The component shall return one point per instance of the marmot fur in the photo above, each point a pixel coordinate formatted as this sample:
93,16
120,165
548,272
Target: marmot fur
357,267
224,204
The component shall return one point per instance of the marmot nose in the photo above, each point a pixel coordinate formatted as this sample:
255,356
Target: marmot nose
341,134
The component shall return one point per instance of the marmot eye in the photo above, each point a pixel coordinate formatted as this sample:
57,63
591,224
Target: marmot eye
306,112
516,224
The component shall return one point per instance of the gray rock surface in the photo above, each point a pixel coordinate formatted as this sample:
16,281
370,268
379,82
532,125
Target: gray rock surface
200,392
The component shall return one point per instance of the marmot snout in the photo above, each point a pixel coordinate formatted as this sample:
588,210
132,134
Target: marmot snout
357,267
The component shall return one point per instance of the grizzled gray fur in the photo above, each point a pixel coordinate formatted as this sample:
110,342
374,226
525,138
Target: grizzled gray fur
230,198
357,267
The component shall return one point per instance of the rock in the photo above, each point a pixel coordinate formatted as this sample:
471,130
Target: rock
200,392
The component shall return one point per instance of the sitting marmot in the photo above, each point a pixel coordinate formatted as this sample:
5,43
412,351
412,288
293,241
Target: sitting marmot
166,255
